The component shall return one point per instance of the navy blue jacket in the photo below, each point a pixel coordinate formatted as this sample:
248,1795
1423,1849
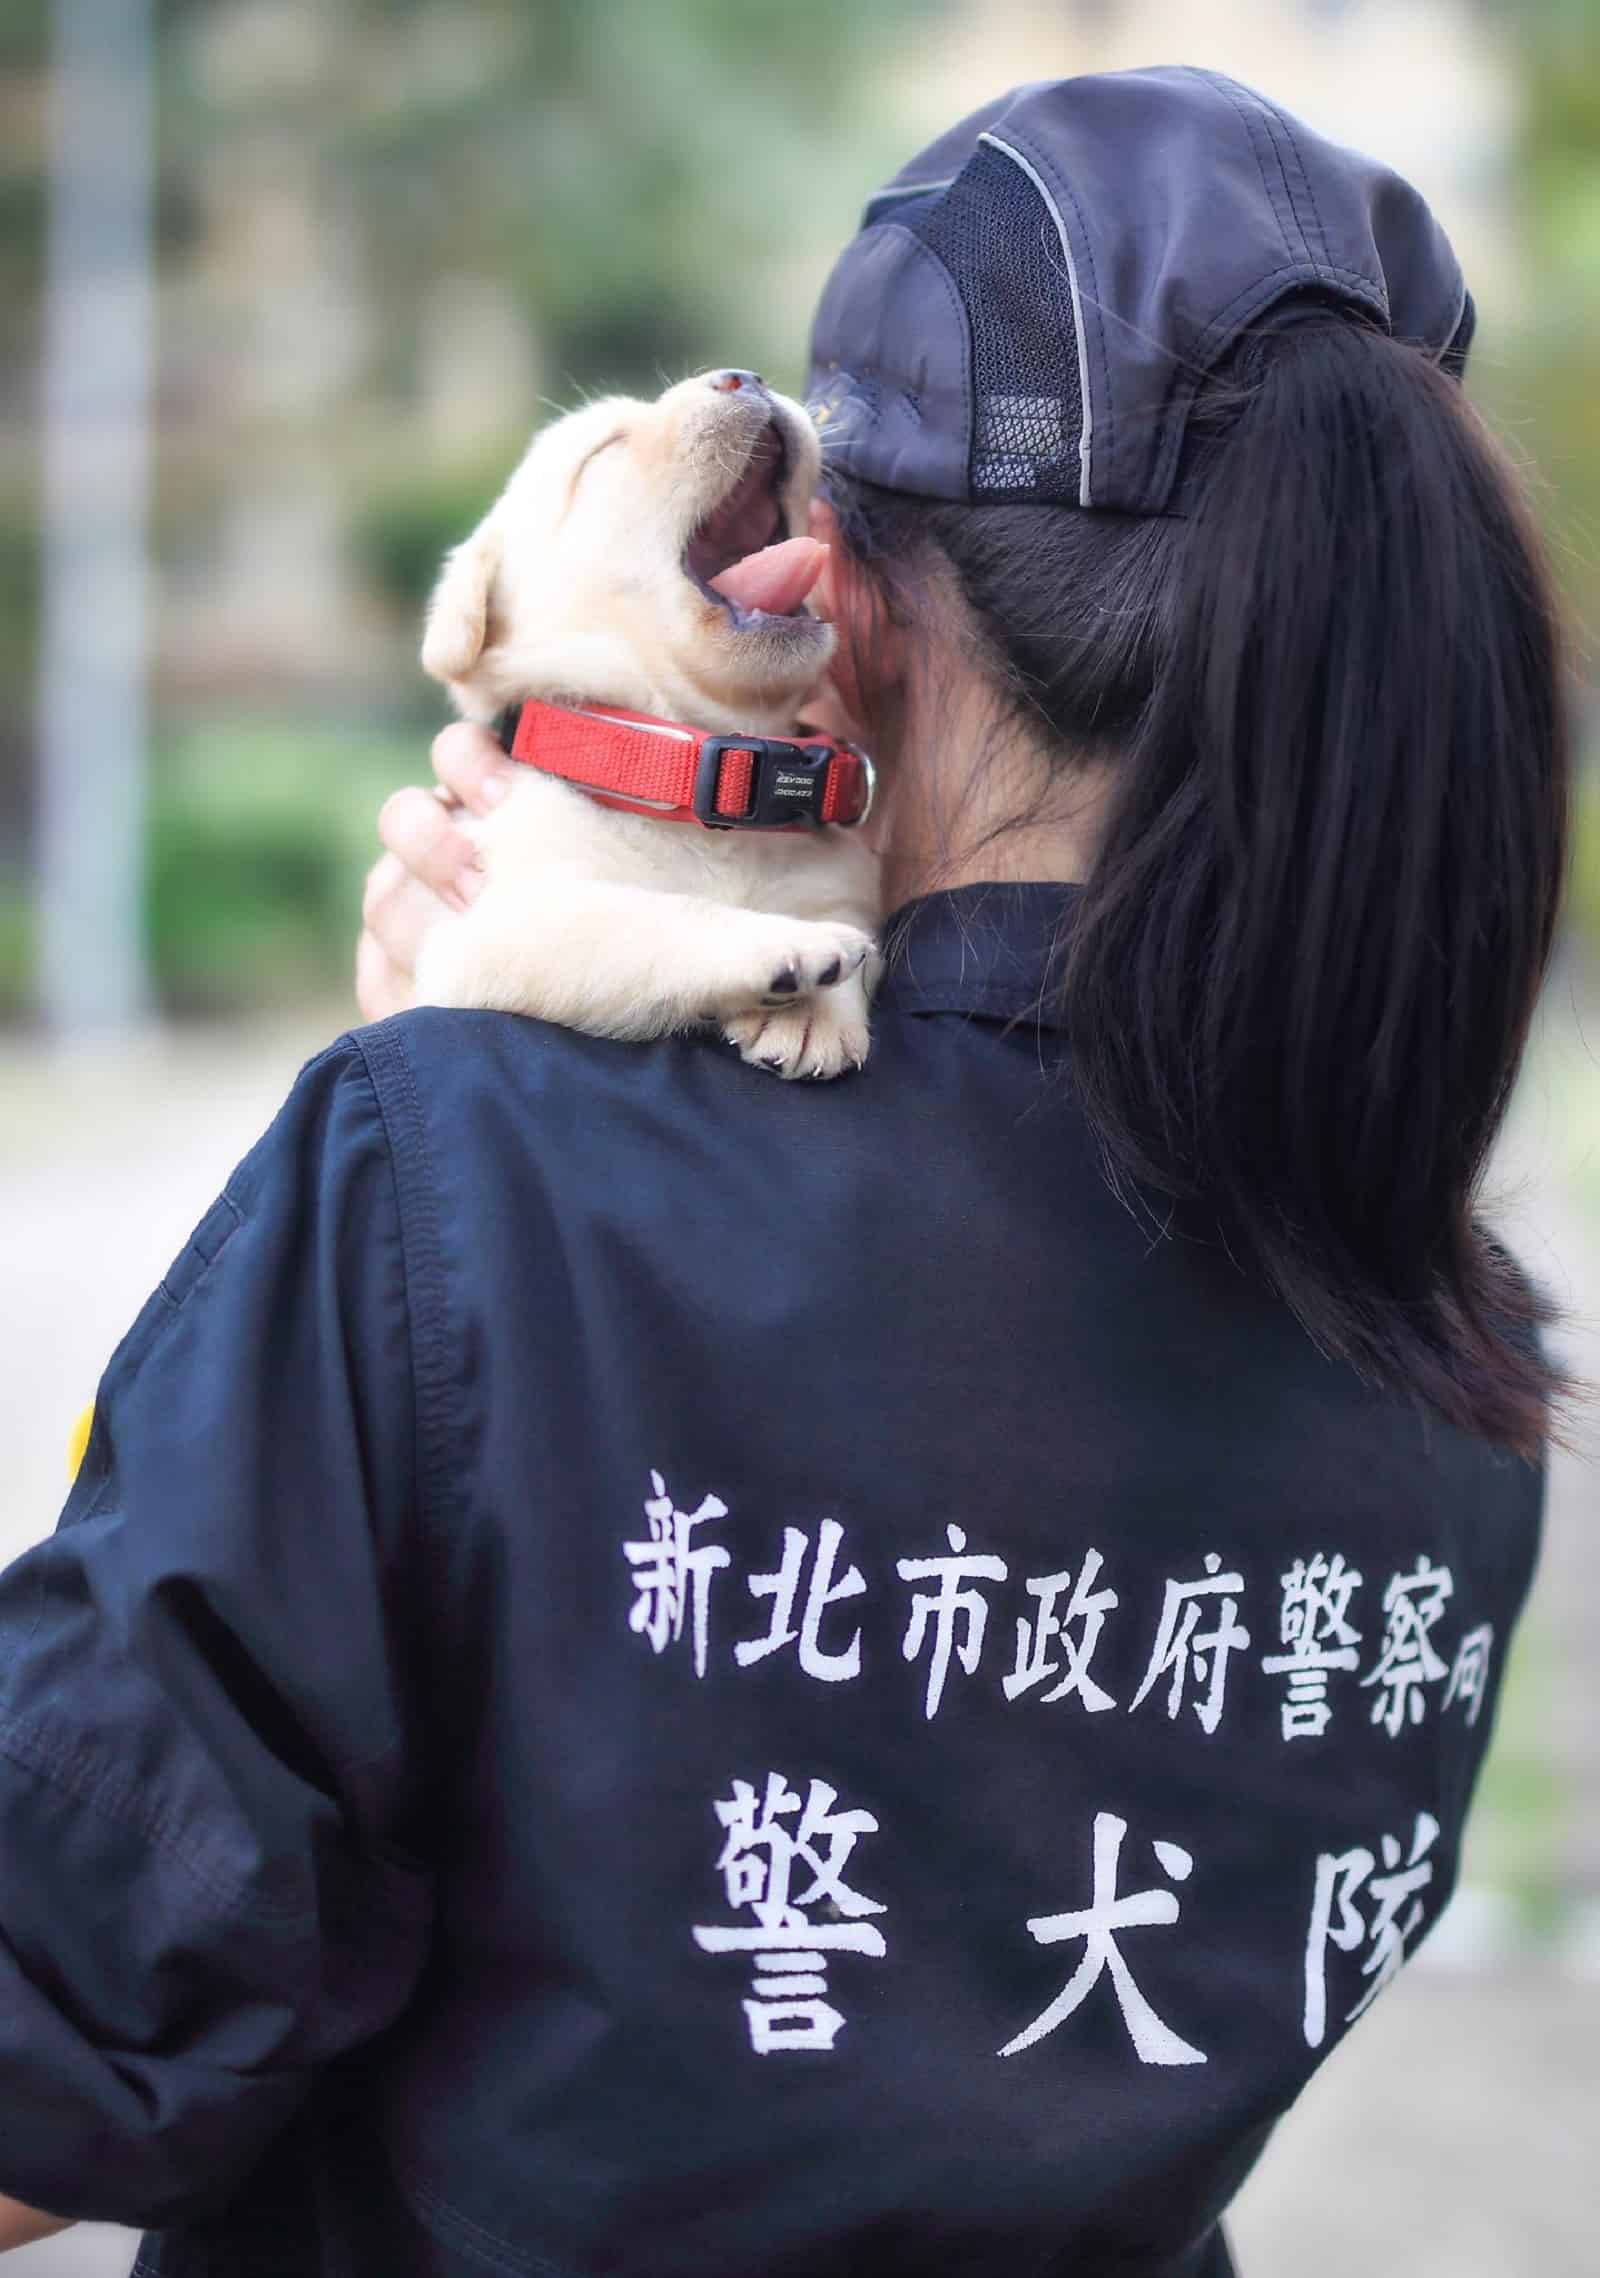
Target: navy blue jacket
652,1671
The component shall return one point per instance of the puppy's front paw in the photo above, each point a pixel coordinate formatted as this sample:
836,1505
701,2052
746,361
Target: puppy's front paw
810,957
817,1036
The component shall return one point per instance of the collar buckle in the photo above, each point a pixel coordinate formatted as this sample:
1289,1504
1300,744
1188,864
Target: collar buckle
789,783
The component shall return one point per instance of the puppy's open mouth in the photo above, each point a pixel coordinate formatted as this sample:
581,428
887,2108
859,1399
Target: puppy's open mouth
746,520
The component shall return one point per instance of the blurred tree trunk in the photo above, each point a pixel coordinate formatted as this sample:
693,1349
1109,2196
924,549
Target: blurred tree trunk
91,733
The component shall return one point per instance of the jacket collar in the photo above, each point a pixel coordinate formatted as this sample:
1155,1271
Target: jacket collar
986,949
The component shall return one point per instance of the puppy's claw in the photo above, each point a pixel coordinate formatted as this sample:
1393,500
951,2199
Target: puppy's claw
816,1038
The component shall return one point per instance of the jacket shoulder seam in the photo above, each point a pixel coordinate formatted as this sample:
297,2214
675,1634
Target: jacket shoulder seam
416,1194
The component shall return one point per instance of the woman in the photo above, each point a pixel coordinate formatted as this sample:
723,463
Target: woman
657,1672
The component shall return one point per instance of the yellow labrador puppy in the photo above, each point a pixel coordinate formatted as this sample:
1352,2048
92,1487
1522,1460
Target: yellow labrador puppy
668,855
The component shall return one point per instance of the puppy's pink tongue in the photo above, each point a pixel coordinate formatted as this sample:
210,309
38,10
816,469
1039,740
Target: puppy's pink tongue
777,579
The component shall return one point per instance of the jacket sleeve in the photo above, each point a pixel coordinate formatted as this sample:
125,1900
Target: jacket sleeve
210,1880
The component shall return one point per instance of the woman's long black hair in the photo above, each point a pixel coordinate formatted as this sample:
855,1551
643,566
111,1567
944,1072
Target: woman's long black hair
1300,977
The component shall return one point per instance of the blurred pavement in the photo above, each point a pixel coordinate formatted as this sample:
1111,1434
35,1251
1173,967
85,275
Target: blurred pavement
1455,2135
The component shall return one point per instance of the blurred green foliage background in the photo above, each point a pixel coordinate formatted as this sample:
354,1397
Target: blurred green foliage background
390,234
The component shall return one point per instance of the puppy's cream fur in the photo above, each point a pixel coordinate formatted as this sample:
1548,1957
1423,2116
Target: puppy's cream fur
574,588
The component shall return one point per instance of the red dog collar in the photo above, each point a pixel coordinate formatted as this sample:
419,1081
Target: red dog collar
679,775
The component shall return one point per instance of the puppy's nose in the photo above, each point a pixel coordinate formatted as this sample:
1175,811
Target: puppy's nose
729,383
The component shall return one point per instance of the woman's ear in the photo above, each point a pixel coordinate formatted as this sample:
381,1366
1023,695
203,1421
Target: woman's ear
841,592
823,525
870,653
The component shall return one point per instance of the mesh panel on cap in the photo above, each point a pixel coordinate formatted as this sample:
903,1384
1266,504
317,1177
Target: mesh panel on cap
998,240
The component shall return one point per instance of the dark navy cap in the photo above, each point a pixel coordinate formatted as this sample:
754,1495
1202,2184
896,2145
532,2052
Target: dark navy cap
1031,304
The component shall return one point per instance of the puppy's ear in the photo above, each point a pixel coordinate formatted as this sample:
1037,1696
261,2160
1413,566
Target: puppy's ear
452,639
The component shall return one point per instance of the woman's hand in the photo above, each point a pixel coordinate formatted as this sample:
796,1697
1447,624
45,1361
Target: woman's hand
430,860
20,2226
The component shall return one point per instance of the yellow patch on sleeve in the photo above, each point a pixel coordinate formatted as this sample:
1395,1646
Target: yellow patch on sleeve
79,1440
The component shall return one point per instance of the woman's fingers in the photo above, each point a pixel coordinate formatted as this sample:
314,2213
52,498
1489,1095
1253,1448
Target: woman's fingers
396,914
381,987
397,909
430,859
427,845
20,2226
399,905
419,828
470,763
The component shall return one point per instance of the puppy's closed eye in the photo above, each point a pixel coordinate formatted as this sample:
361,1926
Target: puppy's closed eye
621,436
